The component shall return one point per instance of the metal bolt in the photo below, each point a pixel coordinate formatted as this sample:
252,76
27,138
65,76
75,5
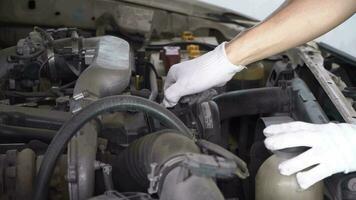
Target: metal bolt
107,169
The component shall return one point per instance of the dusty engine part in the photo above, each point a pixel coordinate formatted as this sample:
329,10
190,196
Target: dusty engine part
193,176
306,107
134,163
155,150
39,55
24,124
109,68
40,67
194,187
241,167
22,69
18,171
81,158
88,113
59,180
281,71
201,115
271,185
108,74
209,116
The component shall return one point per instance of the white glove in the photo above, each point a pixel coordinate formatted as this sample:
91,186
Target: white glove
333,149
209,70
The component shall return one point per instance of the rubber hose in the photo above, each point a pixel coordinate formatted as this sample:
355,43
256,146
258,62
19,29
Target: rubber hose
72,126
25,133
29,94
241,171
133,164
252,101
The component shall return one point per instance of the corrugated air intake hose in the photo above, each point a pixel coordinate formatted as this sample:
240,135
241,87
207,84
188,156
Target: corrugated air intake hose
104,105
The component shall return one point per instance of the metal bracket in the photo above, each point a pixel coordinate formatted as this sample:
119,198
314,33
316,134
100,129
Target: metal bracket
314,61
107,174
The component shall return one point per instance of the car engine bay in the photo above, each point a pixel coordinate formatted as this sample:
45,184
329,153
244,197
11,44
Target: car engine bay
80,115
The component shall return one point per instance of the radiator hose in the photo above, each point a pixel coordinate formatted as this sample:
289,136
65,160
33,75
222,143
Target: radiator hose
104,105
252,101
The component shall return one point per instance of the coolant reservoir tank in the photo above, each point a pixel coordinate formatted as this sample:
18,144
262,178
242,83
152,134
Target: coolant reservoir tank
271,185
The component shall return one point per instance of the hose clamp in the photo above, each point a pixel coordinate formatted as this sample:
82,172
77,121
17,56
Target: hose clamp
201,165
154,179
158,174
81,100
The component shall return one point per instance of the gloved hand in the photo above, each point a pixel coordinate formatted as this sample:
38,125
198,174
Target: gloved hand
333,149
209,70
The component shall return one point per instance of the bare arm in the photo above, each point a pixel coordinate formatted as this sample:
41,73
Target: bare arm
294,23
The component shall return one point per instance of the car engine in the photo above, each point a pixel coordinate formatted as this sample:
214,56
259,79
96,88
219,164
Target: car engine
80,118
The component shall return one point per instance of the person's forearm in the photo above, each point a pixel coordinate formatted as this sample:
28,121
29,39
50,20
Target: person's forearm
294,23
